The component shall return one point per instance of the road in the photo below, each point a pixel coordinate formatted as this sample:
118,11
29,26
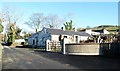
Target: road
24,58
17,58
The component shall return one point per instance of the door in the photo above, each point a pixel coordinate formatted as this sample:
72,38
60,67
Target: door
76,38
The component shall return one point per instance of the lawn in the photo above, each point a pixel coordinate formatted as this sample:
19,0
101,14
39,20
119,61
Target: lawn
0,56
0,51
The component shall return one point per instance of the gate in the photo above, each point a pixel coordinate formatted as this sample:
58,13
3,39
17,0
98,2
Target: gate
54,46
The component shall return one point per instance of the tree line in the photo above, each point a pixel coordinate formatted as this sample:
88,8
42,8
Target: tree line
12,16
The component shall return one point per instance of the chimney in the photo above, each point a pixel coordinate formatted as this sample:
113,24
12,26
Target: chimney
61,28
74,29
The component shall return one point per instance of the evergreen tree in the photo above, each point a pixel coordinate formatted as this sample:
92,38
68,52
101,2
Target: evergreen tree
68,25
1,28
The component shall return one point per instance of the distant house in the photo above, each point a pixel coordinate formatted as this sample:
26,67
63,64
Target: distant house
19,40
40,37
102,31
91,32
96,32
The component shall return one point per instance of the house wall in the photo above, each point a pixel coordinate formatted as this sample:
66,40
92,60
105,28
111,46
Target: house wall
30,41
83,38
106,32
88,31
42,37
55,37
70,38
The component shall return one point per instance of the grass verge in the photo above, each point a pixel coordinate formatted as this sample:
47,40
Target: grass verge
0,57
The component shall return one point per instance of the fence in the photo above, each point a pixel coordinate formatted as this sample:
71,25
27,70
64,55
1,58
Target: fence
110,49
54,46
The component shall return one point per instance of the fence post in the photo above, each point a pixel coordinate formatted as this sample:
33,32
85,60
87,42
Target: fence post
47,45
63,46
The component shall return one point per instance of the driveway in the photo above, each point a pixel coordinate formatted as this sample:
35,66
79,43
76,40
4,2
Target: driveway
24,58
21,58
82,61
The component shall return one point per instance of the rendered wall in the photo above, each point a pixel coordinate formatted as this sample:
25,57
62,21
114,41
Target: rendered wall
82,49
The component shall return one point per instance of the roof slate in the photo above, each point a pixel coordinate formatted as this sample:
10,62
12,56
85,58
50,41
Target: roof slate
65,32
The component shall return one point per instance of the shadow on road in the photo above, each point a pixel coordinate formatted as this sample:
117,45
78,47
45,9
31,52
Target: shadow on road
82,61
22,46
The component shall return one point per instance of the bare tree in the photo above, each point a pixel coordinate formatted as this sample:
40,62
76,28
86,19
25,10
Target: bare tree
1,18
35,21
69,16
11,14
53,21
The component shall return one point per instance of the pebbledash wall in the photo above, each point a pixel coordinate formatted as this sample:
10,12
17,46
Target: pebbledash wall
110,49
82,49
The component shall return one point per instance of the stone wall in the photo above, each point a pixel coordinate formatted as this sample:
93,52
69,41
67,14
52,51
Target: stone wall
82,49
110,49
106,49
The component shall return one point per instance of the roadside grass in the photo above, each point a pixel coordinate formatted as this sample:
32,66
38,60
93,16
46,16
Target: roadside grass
15,44
37,48
0,51
43,49
0,57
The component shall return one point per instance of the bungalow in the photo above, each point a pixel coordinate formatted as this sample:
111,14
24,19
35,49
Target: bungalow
39,38
96,32
102,31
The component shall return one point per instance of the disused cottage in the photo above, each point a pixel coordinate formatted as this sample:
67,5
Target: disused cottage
39,38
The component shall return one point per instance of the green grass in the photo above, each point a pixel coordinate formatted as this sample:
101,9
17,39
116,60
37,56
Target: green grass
0,53
0,57
109,28
32,48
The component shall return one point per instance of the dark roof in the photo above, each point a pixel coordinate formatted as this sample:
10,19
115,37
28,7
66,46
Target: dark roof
101,30
33,35
65,32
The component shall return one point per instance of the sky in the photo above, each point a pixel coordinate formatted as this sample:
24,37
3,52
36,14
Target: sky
83,13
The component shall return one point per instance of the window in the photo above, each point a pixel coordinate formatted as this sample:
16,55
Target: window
76,37
60,38
65,36
33,42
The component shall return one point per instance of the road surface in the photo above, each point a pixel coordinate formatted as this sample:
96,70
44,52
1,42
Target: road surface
24,58
17,58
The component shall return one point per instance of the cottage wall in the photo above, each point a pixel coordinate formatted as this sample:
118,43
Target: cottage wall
42,38
83,38
55,37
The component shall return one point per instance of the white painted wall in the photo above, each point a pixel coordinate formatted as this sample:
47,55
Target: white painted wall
106,32
92,32
88,31
44,35
19,40
55,37
83,38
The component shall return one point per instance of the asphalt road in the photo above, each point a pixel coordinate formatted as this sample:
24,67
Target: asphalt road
17,58
24,58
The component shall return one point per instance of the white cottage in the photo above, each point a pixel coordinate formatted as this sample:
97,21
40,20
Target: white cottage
102,31
96,32
39,38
